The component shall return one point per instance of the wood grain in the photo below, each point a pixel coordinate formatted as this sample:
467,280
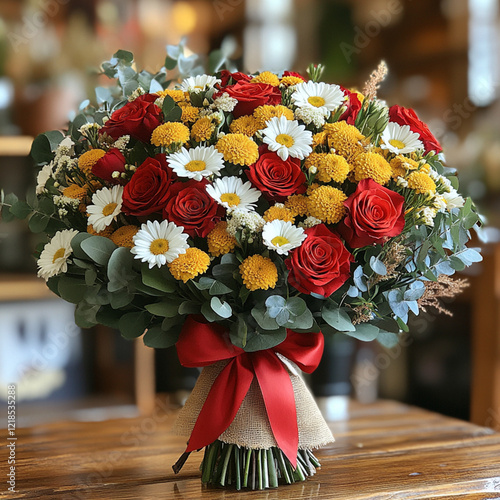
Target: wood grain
383,451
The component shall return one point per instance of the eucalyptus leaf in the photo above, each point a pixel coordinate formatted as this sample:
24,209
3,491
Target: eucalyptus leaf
364,332
158,278
160,339
98,248
223,309
85,315
337,318
133,324
72,289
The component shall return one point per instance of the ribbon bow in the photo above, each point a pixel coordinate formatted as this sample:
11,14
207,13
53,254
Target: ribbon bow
202,344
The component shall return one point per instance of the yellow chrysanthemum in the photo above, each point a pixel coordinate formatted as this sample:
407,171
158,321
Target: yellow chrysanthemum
176,95
258,273
202,129
266,77
106,232
372,166
421,183
327,204
333,168
319,139
346,139
123,236
425,168
189,265
238,149
189,113
311,188
246,125
297,204
75,191
279,212
89,159
291,80
264,113
219,241
170,133
313,160
401,164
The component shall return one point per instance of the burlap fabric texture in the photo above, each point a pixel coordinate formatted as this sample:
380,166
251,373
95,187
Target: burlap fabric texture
250,428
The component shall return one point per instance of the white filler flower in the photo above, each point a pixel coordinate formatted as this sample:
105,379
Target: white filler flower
107,204
230,192
196,163
54,257
282,236
400,139
320,96
159,242
287,138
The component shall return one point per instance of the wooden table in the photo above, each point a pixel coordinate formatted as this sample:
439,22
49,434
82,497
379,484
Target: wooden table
383,451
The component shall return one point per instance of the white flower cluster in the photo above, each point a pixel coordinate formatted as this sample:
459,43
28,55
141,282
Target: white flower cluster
89,129
225,103
121,143
136,93
65,201
310,222
447,195
427,215
249,222
310,115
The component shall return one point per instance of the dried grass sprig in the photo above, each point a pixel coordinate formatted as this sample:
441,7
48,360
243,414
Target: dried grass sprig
444,288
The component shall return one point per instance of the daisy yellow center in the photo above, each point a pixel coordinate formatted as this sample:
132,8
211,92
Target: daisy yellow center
196,165
397,144
316,101
279,241
285,140
109,209
159,246
231,199
58,255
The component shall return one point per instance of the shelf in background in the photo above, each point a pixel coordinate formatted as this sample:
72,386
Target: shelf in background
16,287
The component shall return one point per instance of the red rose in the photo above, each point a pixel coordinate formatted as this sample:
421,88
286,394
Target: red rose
374,213
404,116
353,104
228,77
277,179
112,161
321,264
137,118
193,208
251,96
148,189
296,75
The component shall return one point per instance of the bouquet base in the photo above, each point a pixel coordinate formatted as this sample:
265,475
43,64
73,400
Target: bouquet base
226,465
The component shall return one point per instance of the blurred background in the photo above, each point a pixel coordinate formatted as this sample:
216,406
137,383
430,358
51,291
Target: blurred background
443,57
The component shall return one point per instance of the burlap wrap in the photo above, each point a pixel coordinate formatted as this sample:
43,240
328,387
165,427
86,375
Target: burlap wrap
250,428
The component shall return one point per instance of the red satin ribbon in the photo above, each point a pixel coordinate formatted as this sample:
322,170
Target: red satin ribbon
202,344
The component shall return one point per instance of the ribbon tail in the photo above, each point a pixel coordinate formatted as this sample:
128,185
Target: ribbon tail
222,403
279,399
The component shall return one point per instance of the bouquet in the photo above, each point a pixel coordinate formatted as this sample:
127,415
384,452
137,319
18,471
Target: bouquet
241,218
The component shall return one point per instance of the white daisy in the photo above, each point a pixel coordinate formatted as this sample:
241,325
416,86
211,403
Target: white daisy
199,83
54,257
287,138
400,139
282,236
196,163
453,199
107,204
43,176
230,192
320,96
159,242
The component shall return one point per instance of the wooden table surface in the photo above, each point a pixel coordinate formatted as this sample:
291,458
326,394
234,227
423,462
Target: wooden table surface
383,451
